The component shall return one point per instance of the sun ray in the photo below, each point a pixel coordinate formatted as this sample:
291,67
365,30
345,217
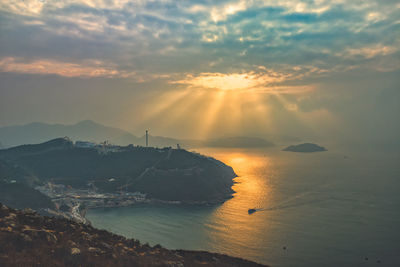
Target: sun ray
263,112
165,102
181,110
211,113
232,107
160,105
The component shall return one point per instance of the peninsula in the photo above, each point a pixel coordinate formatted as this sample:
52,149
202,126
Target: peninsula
81,175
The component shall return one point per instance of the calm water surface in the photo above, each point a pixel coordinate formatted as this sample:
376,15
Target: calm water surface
327,209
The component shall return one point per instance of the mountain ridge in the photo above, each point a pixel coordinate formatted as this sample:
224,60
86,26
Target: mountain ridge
89,130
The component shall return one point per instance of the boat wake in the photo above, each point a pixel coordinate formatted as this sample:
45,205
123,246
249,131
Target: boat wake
302,199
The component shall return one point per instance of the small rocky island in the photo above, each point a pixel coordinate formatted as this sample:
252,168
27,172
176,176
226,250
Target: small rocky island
306,148
29,239
61,177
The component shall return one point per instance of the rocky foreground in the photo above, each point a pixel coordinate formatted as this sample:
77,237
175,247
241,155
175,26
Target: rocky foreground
29,239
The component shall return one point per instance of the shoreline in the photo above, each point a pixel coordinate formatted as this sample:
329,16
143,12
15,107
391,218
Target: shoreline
78,205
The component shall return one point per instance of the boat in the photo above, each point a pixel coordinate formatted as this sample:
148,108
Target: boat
251,211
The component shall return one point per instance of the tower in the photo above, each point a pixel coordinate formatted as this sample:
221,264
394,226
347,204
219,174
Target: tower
147,138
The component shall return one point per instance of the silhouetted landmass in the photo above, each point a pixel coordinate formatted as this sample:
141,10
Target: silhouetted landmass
306,147
239,142
165,174
40,132
37,132
29,239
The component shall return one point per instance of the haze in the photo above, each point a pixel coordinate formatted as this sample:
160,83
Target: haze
326,70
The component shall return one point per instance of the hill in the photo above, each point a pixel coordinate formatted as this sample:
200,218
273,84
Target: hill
21,196
85,130
28,239
164,174
88,130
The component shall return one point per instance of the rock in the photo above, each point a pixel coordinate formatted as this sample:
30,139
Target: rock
107,246
94,250
3,211
51,237
174,264
28,211
71,243
11,217
26,238
75,251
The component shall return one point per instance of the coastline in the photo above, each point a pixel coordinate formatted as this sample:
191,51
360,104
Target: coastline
74,206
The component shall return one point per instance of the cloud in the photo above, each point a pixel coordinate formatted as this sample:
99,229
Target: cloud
370,51
36,7
233,81
230,36
88,69
260,80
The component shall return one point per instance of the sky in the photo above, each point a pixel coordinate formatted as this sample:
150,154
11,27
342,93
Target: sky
313,69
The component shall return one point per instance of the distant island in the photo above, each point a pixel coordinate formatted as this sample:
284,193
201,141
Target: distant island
28,239
81,175
306,148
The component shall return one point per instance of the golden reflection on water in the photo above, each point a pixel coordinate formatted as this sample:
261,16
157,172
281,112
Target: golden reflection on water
252,190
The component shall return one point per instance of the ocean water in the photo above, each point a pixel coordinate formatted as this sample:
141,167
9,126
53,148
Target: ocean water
319,209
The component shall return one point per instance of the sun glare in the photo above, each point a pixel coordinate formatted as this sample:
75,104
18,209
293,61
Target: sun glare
226,81
232,81
203,113
211,103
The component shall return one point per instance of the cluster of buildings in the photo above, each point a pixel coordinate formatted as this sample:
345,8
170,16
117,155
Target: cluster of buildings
102,148
74,202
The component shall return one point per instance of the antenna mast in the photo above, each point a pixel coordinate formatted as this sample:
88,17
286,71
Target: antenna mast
147,138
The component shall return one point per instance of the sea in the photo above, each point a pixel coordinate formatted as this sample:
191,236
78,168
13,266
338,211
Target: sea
333,208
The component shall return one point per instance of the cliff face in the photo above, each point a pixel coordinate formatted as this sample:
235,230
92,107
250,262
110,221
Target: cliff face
28,239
